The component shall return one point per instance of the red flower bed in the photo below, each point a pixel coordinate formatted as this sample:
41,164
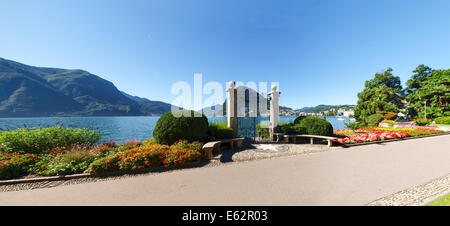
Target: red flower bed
14,164
368,134
181,152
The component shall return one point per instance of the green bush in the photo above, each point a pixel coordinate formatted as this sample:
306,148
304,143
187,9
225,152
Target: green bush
72,161
353,125
42,140
298,119
292,129
169,128
374,120
422,122
262,130
443,120
219,130
315,126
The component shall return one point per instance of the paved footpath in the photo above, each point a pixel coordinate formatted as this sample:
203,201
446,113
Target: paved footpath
351,176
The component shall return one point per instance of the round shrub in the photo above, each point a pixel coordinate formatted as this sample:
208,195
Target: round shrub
315,126
292,129
298,119
443,120
169,128
374,120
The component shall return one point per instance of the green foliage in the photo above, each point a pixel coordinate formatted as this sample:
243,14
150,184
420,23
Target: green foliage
421,74
374,120
15,164
149,141
383,93
292,129
443,120
432,90
43,140
316,126
298,119
169,128
262,129
422,122
353,125
219,130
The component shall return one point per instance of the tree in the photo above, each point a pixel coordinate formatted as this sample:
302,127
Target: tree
432,91
383,93
421,74
386,78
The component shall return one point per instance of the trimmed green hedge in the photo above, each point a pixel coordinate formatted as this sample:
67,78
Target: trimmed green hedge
169,128
422,122
291,128
314,125
443,120
219,130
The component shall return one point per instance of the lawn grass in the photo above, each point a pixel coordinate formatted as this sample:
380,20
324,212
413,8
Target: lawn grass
441,201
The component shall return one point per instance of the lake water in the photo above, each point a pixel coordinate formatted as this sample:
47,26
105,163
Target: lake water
118,129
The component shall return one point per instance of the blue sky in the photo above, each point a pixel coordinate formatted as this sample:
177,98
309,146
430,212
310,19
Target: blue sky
320,52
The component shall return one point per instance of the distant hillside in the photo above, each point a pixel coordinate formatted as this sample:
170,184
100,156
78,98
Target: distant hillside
322,107
27,91
221,109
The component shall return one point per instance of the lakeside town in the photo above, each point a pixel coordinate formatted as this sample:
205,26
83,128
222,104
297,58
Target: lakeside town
348,111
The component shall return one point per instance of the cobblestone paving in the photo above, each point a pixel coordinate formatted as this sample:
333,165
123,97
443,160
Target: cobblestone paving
418,195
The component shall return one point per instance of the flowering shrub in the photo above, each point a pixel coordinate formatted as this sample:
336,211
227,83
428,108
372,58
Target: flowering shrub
368,134
182,152
147,156
15,164
143,157
134,159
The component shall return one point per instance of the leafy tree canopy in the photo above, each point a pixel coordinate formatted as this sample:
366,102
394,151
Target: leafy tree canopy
385,78
421,73
434,91
380,94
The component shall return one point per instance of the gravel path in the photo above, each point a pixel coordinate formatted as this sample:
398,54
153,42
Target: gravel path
418,195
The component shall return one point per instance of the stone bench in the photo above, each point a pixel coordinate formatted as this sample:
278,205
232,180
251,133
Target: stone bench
209,147
294,137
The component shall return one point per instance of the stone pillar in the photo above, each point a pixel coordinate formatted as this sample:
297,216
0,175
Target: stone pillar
232,107
274,110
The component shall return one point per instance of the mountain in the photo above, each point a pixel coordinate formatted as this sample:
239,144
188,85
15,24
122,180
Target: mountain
323,107
149,106
28,91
